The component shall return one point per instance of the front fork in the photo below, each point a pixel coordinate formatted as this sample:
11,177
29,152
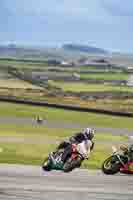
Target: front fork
119,158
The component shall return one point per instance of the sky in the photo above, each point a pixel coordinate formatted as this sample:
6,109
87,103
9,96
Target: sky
101,23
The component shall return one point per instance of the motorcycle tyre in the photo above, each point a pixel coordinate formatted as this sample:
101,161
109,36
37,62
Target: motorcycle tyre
72,164
45,165
113,170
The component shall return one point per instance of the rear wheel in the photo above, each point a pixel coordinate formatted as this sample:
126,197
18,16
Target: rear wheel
72,164
110,166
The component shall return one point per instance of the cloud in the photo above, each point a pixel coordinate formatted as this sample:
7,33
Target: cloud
119,7
96,9
102,22
68,8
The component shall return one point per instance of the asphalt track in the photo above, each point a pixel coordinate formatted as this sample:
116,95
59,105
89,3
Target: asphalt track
19,182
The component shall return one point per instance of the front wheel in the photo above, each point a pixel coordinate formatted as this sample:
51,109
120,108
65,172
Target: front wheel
111,166
45,165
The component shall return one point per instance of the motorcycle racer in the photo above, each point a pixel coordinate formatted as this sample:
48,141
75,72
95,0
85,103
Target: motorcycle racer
128,151
84,143
70,154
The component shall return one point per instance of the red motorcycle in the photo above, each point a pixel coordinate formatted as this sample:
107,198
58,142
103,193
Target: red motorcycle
54,160
118,162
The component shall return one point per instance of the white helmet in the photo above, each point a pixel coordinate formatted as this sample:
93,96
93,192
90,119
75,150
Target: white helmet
89,133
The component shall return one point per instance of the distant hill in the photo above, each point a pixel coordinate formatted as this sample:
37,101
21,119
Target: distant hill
38,52
67,52
16,51
84,48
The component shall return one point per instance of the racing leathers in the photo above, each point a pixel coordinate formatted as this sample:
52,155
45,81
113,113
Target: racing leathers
76,139
130,152
84,146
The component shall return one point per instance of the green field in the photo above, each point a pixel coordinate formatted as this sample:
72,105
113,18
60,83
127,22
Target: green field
23,63
36,132
100,120
86,87
16,83
86,72
104,76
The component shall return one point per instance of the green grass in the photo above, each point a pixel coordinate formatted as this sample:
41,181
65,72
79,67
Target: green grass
29,131
87,119
23,63
97,157
35,130
105,76
16,83
24,153
84,87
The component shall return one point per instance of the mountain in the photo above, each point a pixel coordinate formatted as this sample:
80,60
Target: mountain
32,52
84,49
17,51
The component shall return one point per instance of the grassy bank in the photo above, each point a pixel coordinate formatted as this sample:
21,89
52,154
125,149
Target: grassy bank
85,87
104,76
17,84
87,119
31,132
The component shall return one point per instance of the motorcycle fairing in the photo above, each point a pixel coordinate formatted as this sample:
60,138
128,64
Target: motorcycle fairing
128,168
54,163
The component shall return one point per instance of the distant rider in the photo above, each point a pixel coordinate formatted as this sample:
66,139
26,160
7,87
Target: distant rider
39,119
128,151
